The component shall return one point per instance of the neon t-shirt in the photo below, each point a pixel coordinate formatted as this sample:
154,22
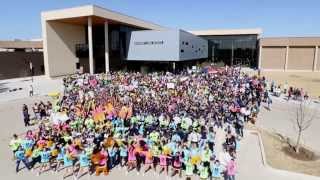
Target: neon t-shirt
36,153
19,155
123,152
155,150
154,136
26,144
204,174
149,157
67,161
14,144
163,160
84,160
45,156
216,171
189,168
177,162
131,154
206,155
61,154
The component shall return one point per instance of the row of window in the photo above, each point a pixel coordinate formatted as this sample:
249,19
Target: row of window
196,51
185,43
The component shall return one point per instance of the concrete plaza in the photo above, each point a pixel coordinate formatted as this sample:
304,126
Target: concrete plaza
250,164
280,120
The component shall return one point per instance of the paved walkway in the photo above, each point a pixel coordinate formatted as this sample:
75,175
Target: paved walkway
249,157
41,86
251,166
219,140
280,120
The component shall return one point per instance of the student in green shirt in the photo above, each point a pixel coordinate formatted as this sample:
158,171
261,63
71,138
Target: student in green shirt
206,154
203,171
189,168
14,144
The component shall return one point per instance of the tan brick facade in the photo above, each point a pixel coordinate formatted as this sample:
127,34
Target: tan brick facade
296,53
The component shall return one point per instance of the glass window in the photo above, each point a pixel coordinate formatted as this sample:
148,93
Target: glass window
234,49
115,40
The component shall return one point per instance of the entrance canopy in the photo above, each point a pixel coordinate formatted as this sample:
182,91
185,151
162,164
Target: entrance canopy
78,15
65,30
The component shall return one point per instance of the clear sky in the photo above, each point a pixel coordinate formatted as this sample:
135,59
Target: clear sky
20,19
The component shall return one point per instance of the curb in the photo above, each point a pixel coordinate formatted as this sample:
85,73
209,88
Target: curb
264,159
262,152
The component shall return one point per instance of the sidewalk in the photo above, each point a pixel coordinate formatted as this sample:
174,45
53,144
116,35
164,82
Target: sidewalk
251,165
280,120
41,86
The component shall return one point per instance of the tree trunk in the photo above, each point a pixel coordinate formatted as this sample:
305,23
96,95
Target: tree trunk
297,147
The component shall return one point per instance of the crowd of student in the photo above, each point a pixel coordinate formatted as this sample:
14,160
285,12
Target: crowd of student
290,92
41,111
158,122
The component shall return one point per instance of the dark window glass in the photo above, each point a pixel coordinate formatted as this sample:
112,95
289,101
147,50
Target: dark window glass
182,50
42,68
115,40
187,43
233,49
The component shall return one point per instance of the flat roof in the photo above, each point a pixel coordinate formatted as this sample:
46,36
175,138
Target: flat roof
290,41
80,12
21,44
217,32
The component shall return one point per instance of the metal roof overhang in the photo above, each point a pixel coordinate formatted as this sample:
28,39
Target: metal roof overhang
79,15
221,32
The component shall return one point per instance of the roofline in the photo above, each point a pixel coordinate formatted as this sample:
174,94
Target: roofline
46,14
93,10
217,32
21,44
103,8
291,37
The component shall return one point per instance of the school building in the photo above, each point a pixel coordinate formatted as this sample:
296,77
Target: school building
94,39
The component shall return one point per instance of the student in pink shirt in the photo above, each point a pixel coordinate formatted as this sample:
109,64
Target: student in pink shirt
148,160
163,163
42,142
30,135
176,165
131,157
104,153
231,170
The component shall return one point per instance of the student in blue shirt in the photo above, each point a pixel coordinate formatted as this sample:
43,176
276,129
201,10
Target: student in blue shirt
216,170
123,154
112,151
27,144
60,157
84,163
211,138
68,165
20,156
176,138
45,155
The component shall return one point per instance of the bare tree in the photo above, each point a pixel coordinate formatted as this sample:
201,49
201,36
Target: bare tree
303,117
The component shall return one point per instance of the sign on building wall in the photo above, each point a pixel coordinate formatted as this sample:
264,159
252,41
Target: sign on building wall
170,45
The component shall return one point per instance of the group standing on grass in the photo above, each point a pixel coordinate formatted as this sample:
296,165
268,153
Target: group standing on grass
162,123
